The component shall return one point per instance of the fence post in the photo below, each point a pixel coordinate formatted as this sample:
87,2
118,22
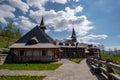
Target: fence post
109,69
99,65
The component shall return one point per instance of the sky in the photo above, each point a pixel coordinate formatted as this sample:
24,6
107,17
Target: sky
95,21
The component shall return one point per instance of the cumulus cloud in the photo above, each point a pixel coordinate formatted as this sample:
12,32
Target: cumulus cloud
24,23
6,11
59,1
64,20
36,3
87,38
19,4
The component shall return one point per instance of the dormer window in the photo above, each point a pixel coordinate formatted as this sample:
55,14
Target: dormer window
32,41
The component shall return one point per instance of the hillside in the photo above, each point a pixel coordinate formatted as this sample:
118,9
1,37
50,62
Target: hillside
3,41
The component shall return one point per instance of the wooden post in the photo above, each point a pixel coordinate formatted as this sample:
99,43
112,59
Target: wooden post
99,65
109,69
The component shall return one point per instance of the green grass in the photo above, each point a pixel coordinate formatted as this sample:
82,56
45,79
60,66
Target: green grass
22,77
76,60
115,59
30,66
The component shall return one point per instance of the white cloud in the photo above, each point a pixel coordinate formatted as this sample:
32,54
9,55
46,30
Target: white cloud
59,1
64,20
78,9
86,39
6,11
24,23
19,4
36,3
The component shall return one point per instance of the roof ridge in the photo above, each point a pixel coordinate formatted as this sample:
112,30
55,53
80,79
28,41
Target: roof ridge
26,34
41,36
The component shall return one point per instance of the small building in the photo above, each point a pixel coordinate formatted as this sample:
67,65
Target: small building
35,45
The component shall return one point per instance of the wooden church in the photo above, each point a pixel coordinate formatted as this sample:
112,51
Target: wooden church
35,45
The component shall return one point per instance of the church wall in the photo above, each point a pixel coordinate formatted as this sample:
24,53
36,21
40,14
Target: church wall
33,55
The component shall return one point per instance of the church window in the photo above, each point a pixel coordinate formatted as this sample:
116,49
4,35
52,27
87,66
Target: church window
22,53
44,53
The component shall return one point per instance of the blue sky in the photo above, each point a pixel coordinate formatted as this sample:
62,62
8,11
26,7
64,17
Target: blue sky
95,21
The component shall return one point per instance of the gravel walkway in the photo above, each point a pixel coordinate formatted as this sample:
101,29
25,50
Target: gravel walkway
68,71
22,72
72,71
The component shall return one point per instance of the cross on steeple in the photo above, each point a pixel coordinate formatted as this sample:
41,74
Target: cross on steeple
42,26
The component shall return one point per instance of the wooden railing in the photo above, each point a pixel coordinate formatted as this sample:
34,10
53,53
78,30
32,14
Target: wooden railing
107,67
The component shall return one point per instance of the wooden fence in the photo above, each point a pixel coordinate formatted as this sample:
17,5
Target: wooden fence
107,68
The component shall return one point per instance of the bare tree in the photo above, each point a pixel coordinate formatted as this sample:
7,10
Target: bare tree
115,51
103,48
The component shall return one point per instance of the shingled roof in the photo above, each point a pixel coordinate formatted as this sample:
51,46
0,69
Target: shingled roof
37,33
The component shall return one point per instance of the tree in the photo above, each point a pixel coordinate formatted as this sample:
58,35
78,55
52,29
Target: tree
17,33
10,32
115,51
110,51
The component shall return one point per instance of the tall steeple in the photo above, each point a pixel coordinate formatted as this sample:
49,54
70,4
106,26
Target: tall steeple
74,38
42,26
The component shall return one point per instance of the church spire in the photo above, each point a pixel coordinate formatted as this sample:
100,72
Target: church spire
42,21
42,26
73,36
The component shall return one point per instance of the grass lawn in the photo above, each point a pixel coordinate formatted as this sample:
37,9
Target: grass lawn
114,59
22,77
111,57
76,60
30,66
